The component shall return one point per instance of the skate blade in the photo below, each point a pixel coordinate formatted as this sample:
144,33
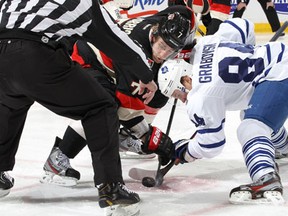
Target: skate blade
52,178
274,197
132,155
122,210
4,193
245,197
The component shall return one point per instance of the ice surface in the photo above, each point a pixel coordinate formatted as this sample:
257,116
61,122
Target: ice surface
200,188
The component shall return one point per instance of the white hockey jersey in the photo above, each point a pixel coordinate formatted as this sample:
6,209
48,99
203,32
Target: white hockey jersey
225,73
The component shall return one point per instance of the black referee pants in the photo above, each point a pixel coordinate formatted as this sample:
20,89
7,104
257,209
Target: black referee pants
31,71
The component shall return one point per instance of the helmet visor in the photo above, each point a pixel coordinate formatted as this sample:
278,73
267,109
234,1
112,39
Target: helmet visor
162,51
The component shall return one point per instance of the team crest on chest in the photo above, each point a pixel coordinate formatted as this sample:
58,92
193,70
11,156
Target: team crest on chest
150,62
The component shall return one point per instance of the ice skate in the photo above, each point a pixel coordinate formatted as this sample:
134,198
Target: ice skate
6,183
58,170
279,155
268,189
131,148
117,200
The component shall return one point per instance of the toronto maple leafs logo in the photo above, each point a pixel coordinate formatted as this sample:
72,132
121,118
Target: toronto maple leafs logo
164,69
150,62
198,120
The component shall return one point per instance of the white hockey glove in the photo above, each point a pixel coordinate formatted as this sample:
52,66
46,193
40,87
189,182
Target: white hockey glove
181,153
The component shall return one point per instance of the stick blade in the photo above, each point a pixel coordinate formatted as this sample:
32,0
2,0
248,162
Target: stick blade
139,174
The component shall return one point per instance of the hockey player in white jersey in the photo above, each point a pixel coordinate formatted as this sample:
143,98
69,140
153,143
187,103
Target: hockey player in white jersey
226,72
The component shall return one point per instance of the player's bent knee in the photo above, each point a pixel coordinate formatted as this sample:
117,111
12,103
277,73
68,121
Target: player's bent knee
250,128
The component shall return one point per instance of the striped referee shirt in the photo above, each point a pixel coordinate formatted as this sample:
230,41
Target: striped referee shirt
55,19
76,19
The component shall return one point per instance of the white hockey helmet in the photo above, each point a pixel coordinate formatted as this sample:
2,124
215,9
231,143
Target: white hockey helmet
170,73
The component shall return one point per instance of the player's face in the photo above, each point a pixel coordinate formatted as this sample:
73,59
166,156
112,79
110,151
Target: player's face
161,51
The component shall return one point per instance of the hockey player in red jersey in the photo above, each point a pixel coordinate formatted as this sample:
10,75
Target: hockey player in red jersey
158,36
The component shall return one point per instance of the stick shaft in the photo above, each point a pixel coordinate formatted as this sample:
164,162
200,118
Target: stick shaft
162,172
279,32
171,117
159,173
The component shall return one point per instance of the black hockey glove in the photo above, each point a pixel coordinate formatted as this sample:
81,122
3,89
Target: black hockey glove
159,143
181,154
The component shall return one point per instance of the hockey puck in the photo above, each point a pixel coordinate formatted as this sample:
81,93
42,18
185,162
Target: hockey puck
148,182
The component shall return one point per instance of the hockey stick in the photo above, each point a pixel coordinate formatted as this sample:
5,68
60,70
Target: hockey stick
171,117
157,181
199,17
279,32
160,173
139,174
200,32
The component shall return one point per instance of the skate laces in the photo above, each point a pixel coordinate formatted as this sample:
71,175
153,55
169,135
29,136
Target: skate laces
136,144
61,160
123,187
130,144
